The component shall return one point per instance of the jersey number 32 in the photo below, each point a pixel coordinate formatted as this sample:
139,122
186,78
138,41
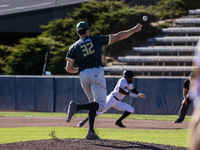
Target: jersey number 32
87,49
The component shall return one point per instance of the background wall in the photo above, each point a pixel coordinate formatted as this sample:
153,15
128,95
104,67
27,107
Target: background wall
53,93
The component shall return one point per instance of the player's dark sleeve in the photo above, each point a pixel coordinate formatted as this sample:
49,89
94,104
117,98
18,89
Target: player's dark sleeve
123,92
104,39
70,53
186,84
134,91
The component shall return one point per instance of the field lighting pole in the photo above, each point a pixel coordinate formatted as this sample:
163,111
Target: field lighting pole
172,11
48,48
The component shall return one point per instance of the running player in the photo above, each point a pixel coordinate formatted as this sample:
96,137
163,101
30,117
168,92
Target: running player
86,53
124,87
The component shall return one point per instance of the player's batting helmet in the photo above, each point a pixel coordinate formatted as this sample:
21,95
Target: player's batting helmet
128,74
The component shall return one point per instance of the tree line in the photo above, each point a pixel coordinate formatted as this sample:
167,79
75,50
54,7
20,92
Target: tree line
104,17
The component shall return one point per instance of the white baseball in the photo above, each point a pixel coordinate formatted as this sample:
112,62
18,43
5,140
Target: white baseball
144,18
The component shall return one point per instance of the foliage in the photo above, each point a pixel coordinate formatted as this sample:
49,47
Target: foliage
105,17
61,30
180,8
28,57
4,52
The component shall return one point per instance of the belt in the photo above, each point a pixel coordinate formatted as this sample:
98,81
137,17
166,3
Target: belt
116,98
97,67
91,68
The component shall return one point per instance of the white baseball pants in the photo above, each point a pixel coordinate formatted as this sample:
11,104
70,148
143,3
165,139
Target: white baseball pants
119,105
94,84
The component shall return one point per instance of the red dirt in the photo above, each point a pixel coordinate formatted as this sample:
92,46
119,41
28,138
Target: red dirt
99,123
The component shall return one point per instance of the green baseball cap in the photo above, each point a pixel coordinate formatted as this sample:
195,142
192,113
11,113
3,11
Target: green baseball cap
82,25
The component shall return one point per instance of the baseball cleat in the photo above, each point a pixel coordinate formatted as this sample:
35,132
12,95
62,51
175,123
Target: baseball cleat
72,109
92,136
177,121
81,123
117,123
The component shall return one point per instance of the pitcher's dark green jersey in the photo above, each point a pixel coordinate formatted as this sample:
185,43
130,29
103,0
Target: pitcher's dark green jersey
86,52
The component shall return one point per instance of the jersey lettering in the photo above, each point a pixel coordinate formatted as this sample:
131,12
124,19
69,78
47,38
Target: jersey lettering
87,49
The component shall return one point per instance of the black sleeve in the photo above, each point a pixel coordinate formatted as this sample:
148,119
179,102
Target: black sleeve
186,84
134,91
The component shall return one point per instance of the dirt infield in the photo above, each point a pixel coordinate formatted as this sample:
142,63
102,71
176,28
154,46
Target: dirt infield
99,123
83,144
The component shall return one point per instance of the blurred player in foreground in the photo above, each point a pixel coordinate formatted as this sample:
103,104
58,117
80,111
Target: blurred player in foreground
86,53
123,87
186,101
194,125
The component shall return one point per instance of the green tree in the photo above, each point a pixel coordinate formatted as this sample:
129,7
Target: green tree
180,8
104,17
28,57
4,52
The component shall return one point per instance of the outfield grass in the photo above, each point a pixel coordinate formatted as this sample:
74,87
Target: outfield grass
177,137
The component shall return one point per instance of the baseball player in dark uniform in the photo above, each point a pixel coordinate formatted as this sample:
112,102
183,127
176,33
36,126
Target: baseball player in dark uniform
86,53
186,101
123,87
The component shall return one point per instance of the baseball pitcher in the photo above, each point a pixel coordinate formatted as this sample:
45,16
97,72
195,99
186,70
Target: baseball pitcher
86,52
